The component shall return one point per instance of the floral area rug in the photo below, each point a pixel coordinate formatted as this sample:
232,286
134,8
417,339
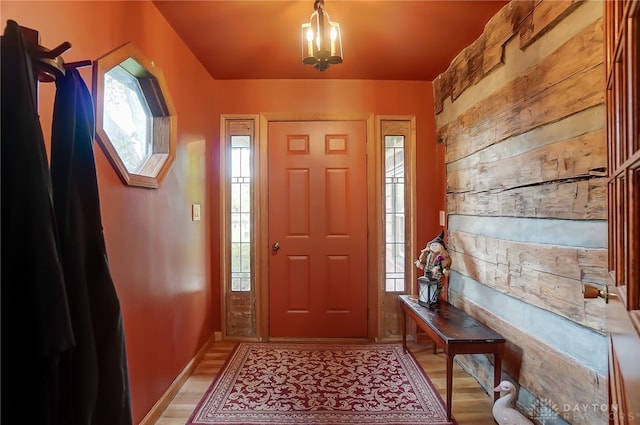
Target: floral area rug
320,383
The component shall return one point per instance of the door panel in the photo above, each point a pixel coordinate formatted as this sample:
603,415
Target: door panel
318,218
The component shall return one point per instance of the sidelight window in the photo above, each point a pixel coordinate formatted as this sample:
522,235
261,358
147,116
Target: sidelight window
394,211
397,148
238,153
241,213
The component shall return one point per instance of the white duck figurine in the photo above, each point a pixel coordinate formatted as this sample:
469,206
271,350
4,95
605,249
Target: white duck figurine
503,412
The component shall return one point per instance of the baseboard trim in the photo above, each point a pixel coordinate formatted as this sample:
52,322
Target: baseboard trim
165,399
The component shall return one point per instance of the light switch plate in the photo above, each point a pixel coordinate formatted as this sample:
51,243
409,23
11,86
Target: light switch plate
442,218
195,212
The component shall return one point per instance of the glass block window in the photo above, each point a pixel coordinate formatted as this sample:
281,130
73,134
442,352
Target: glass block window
394,212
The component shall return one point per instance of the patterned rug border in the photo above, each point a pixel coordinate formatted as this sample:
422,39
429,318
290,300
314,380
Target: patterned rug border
410,364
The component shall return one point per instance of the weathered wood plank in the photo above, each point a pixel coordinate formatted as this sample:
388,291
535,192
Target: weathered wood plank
547,92
542,370
573,158
545,16
468,67
528,18
439,84
501,28
529,111
577,200
547,276
490,48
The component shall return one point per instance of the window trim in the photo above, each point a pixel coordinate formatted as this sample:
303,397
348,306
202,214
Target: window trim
164,122
392,125
232,299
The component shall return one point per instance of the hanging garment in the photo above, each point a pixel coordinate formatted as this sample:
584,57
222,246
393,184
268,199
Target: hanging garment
36,326
94,375
63,351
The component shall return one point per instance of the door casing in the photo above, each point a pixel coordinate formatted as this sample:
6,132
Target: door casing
376,296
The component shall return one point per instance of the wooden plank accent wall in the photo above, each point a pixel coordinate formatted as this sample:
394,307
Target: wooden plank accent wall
546,276
540,369
521,114
559,86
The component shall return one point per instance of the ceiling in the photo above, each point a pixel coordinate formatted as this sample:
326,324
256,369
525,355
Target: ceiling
381,39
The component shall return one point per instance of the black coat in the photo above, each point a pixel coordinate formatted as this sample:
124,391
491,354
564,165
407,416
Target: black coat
94,376
62,332
36,325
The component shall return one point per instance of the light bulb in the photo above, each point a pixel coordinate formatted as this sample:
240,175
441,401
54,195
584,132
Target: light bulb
333,35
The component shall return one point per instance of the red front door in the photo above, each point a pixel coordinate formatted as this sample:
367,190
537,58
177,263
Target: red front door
317,229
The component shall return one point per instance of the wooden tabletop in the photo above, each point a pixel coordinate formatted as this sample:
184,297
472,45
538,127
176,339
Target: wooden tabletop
451,324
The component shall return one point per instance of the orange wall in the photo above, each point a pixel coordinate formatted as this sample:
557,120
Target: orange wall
160,260
165,267
343,96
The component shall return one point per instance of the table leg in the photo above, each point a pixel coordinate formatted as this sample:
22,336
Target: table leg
497,370
449,385
404,330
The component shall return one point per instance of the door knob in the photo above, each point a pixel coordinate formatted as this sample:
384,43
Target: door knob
276,247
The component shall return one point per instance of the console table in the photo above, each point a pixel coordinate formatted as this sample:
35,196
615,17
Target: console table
456,332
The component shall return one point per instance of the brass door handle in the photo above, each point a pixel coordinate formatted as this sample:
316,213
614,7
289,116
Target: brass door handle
592,291
276,247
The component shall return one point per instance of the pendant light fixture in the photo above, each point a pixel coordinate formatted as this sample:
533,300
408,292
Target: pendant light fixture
321,40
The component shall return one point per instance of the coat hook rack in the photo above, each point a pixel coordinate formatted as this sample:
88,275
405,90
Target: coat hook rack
48,63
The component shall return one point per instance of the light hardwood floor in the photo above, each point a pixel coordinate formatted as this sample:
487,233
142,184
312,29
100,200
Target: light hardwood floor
471,405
